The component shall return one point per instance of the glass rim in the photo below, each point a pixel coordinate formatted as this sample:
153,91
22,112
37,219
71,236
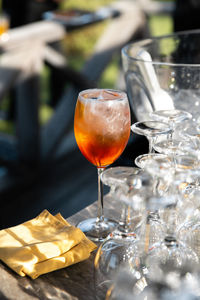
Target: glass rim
143,42
151,121
122,94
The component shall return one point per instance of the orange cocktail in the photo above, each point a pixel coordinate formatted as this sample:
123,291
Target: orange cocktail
102,125
102,129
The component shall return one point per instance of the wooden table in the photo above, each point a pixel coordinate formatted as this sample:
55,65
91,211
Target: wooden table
74,282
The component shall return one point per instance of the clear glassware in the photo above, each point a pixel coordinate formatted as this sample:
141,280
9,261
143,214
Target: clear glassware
123,181
165,264
151,130
191,134
163,73
166,283
188,209
119,246
171,117
102,129
157,227
172,148
171,250
126,286
142,160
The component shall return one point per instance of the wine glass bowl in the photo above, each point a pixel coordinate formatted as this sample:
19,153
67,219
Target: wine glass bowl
102,125
171,117
171,147
119,247
143,160
151,129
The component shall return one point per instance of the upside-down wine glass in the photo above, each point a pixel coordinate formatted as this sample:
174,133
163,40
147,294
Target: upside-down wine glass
172,148
189,230
171,117
151,129
171,249
124,180
191,134
102,130
118,247
152,263
157,227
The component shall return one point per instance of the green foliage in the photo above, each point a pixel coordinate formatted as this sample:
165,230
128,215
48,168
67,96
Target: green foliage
6,127
110,75
79,44
160,25
82,4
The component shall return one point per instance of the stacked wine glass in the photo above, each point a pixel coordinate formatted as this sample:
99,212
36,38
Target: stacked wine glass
154,252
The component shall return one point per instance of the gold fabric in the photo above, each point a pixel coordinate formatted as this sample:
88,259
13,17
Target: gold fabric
43,244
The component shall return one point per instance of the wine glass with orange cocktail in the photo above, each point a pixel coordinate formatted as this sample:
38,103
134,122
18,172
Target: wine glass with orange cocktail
102,130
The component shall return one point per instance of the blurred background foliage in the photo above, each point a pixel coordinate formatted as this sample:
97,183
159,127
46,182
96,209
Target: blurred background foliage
78,46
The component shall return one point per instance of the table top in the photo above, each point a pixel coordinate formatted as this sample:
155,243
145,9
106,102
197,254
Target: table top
74,282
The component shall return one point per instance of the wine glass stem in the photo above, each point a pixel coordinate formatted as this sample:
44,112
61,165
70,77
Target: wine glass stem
125,219
172,125
100,213
172,221
151,142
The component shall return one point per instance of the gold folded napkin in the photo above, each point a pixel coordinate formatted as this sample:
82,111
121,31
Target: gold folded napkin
43,244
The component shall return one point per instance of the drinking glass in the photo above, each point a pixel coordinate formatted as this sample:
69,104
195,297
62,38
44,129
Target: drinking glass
142,160
123,182
189,230
163,73
171,117
151,129
171,249
191,134
126,184
102,129
157,227
172,148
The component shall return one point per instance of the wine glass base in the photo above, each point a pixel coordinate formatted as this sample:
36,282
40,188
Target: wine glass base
97,231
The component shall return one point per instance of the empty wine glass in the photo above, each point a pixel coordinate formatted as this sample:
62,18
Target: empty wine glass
171,117
159,187
142,160
117,249
189,212
171,249
151,129
191,134
123,180
102,129
172,148
166,282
